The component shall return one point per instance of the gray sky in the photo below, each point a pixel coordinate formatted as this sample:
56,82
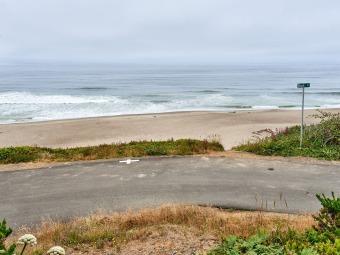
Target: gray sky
151,31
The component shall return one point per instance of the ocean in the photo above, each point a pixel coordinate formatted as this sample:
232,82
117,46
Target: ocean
33,92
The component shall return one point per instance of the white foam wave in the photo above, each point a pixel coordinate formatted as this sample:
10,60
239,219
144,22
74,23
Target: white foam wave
330,106
263,107
202,101
29,98
24,106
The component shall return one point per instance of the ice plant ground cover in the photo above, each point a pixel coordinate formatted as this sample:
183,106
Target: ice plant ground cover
106,151
320,140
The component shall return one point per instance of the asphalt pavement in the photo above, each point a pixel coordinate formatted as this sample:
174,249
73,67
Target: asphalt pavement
78,189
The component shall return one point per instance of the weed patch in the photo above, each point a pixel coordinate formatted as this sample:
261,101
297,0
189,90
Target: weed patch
106,151
320,140
186,229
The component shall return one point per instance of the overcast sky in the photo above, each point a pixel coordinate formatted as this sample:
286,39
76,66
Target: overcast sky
197,31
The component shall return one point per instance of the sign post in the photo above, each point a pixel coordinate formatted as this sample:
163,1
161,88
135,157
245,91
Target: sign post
303,86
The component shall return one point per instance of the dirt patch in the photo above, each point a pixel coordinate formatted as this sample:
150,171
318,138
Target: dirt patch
167,239
247,155
28,166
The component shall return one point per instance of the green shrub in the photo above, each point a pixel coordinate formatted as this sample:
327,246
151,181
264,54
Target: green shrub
255,245
104,151
327,132
4,233
328,218
320,140
18,154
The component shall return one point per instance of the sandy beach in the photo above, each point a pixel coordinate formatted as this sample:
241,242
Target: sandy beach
231,128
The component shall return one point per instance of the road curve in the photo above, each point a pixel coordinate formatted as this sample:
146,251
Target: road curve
77,189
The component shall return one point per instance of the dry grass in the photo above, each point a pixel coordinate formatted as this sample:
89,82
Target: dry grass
185,229
13,155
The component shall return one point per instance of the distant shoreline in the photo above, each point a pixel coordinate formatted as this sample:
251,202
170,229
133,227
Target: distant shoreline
230,127
179,111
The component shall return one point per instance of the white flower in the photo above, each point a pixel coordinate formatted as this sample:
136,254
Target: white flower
56,250
27,239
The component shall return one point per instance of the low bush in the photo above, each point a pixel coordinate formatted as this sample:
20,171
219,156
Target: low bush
255,245
320,140
106,151
4,234
329,217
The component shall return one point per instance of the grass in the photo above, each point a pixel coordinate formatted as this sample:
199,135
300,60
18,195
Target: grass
106,151
169,228
321,140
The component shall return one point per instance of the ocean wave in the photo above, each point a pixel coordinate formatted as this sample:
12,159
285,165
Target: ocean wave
87,88
236,106
329,93
92,88
288,106
330,106
30,98
313,93
265,107
207,91
160,101
27,107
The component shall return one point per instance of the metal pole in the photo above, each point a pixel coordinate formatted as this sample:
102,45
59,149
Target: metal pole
303,104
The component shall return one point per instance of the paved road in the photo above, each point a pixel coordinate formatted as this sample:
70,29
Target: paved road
72,189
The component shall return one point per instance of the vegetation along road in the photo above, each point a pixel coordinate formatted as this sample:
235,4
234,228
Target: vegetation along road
74,189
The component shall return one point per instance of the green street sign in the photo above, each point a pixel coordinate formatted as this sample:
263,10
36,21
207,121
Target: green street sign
303,85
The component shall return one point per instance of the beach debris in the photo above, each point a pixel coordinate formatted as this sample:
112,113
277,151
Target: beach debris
129,161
